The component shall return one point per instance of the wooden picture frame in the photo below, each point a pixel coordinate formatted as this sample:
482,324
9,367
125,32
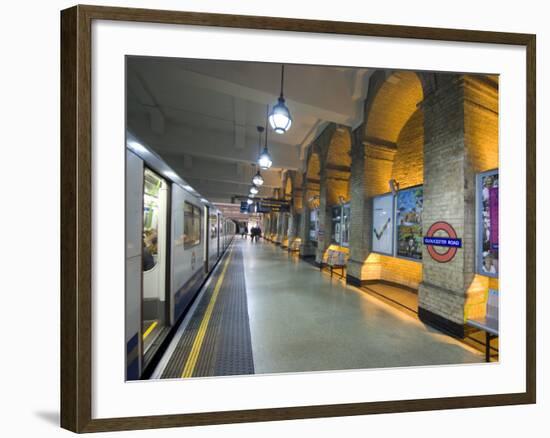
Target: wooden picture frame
76,222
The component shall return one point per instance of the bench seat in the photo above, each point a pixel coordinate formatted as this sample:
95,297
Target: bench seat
335,260
487,324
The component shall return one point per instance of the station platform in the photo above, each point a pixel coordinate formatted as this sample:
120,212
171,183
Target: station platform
263,310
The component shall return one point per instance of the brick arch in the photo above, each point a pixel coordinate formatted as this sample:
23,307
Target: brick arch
394,147
339,148
312,176
288,187
396,98
294,180
338,165
313,170
408,163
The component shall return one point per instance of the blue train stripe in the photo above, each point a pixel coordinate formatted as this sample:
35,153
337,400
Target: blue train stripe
132,370
132,343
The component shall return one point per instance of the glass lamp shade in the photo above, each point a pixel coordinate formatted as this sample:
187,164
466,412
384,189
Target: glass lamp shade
258,179
254,190
249,201
264,160
279,118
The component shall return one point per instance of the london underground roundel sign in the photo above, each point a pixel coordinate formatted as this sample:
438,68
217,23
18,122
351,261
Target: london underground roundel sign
450,241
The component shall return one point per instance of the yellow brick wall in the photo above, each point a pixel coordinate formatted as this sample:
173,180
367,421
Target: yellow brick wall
377,174
408,165
408,170
401,271
337,188
394,103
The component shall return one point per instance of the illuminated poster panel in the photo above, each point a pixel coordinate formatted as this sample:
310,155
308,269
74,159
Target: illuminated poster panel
346,217
336,235
382,224
408,221
313,224
487,223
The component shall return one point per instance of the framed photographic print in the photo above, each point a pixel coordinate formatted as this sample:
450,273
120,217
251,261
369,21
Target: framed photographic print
213,166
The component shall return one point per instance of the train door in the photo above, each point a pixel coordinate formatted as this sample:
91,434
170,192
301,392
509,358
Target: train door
219,233
206,233
154,315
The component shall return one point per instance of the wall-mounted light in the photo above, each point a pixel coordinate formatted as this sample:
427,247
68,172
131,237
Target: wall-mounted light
394,186
280,118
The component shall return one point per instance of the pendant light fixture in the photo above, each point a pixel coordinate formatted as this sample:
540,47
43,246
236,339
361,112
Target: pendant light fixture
249,201
254,190
264,160
257,179
280,118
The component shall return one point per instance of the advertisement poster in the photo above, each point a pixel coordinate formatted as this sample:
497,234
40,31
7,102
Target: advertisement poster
409,223
313,225
336,225
345,224
488,218
382,224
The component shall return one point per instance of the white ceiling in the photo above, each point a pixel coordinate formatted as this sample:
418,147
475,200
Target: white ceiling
201,116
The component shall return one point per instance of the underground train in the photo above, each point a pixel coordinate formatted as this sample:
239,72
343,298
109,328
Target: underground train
174,238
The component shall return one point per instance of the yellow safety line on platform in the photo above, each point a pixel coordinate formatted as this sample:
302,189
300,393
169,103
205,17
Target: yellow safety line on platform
199,338
150,329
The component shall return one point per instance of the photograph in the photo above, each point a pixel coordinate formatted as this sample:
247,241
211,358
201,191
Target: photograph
251,192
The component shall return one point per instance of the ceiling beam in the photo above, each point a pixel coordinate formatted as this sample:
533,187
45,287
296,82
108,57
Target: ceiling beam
180,139
239,123
182,77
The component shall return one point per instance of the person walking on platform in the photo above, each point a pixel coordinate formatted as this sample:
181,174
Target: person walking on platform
255,233
244,232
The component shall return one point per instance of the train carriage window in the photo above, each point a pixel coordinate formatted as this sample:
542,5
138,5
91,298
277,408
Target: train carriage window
151,207
213,226
192,219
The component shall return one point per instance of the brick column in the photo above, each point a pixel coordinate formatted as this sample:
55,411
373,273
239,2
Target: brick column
295,212
371,167
359,238
307,249
325,219
265,225
282,227
449,196
276,228
289,229
272,226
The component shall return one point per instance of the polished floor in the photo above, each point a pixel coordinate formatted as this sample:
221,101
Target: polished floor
299,319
